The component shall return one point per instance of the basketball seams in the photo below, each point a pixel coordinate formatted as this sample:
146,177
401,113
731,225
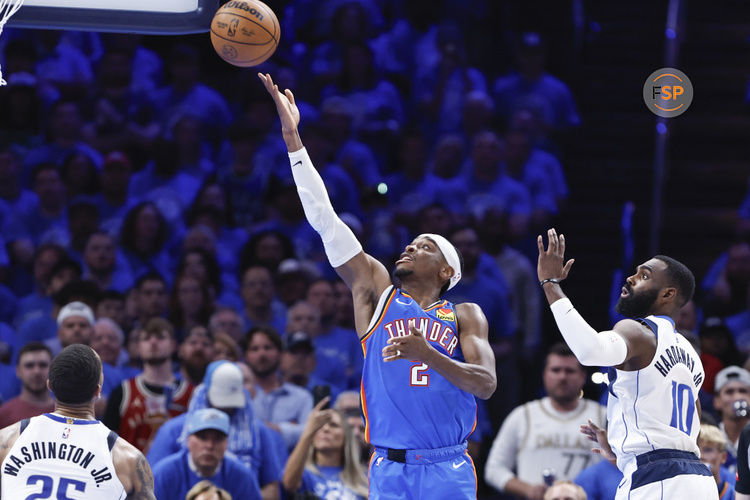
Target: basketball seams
274,19
261,57
233,13
234,40
243,49
266,54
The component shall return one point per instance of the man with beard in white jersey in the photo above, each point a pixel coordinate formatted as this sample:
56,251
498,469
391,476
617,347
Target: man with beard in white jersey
653,411
67,453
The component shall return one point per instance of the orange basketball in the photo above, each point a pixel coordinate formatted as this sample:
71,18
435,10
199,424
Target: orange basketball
245,32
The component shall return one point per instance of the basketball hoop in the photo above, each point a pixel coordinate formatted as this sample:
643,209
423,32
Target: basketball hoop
7,9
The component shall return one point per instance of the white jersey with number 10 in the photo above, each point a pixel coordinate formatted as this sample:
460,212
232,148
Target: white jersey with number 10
655,407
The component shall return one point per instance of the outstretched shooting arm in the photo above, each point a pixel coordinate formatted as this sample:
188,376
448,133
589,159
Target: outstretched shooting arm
365,276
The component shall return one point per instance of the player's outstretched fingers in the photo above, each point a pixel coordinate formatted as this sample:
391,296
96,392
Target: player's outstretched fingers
567,267
540,243
267,81
551,241
556,238
562,244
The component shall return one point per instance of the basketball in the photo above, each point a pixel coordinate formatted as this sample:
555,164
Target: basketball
245,32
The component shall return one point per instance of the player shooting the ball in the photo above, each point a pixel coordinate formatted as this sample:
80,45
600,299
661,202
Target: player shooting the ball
425,358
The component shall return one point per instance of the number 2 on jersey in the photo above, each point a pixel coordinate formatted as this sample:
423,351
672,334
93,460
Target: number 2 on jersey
418,378
681,419
48,484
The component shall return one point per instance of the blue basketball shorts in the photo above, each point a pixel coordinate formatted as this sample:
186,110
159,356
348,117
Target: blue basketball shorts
442,473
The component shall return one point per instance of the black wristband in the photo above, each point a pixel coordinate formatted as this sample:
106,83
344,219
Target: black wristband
549,280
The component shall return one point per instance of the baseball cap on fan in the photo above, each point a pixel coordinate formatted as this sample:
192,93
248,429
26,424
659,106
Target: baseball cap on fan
299,341
225,388
75,309
731,374
208,418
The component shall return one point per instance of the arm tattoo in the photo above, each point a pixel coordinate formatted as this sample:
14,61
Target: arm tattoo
5,444
143,484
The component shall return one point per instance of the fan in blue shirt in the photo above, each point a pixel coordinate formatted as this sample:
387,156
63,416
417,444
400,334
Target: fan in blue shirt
204,459
325,461
256,446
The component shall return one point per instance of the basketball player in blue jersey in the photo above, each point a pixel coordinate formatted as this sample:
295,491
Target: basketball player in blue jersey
653,411
425,358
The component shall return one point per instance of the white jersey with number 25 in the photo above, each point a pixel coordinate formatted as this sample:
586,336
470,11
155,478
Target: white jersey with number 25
59,457
655,407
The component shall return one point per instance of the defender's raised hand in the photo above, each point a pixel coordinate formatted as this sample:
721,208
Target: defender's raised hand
599,436
550,263
285,105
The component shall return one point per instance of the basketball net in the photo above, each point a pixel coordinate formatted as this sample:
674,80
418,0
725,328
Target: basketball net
7,9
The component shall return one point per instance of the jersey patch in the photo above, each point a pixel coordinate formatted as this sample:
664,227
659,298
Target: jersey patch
445,314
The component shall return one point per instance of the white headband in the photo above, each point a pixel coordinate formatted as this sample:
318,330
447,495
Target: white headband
75,309
450,254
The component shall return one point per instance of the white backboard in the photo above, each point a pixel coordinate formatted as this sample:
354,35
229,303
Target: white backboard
176,6
127,16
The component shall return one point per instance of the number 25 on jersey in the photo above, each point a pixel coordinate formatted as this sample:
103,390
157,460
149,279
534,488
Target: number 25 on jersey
48,484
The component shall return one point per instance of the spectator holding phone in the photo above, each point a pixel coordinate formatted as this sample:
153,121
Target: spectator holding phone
325,460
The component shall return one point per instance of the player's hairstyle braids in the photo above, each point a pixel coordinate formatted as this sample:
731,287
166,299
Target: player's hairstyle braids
74,374
680,276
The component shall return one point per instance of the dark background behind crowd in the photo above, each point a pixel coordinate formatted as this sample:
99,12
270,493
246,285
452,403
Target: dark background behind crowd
145,178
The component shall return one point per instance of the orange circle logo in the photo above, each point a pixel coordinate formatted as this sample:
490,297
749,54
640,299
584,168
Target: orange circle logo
668,92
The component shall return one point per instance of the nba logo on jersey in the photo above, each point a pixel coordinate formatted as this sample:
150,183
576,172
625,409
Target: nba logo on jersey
446,314
66,433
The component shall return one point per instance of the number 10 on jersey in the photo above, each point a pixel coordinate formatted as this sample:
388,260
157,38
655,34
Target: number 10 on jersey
682,400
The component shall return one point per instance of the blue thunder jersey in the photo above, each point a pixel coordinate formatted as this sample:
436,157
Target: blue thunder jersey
406,404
